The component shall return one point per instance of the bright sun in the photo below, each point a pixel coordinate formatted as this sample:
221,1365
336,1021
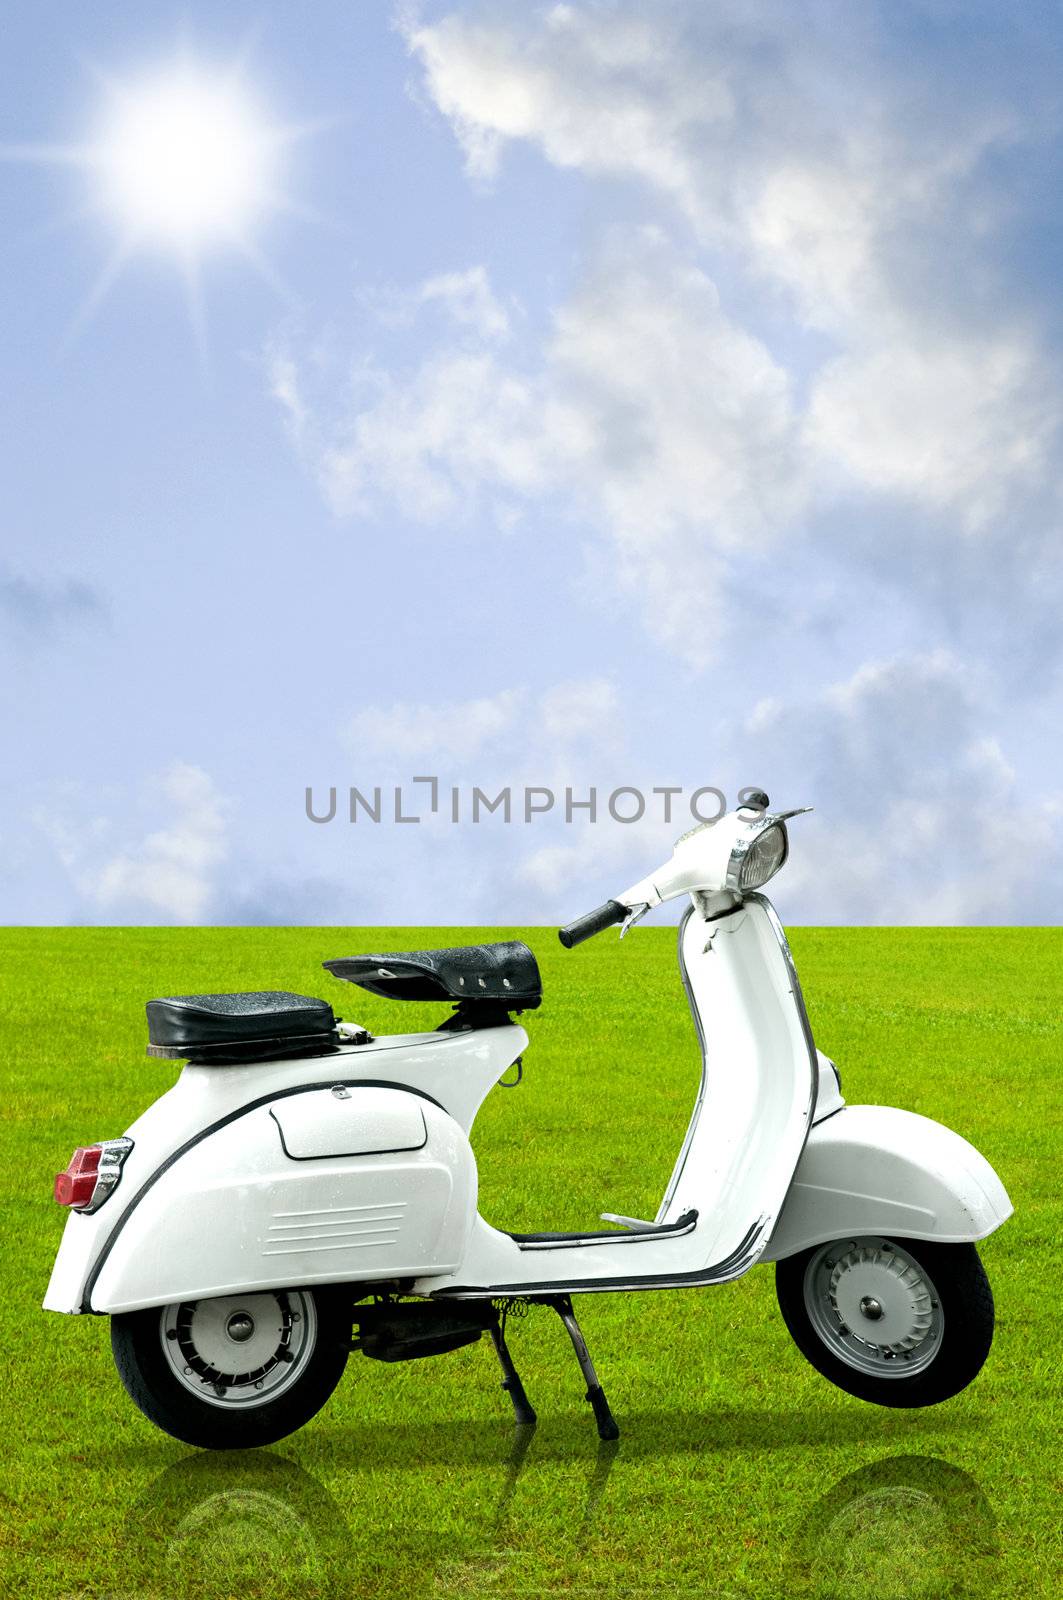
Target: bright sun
186,160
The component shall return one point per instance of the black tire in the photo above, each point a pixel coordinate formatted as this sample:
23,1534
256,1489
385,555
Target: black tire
966,1304
137,1341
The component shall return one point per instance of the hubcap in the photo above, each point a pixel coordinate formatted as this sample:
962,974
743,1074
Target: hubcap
239,1351
874,1306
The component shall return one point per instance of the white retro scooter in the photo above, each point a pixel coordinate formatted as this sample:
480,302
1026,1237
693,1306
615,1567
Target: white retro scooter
304,1189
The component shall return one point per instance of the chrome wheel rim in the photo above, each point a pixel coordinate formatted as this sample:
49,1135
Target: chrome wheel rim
239,1350
874,1307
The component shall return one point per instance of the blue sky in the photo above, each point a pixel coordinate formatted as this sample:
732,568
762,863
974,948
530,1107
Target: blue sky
636,396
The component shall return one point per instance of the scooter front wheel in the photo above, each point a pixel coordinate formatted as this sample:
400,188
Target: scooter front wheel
899,1324
234,1372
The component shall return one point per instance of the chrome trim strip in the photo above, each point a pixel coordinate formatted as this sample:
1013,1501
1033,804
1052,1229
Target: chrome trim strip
799,1001
733,1266
568,1241
112,1154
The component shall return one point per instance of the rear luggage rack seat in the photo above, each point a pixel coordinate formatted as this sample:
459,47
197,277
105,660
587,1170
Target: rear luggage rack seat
227,1029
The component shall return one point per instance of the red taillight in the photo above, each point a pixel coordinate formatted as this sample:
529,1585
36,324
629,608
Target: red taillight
92,1175
77,1185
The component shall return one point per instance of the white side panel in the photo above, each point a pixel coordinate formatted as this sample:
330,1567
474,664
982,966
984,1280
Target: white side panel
457,1069
234,1211
874,1169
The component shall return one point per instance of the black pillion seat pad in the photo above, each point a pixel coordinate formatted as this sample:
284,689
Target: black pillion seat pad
228,1028
506,974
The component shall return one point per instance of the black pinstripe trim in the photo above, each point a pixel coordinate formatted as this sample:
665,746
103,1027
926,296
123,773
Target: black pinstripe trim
340,1155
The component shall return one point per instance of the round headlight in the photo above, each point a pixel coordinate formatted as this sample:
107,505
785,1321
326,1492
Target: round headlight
763,858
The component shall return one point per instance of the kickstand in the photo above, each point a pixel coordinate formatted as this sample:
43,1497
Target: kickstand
523,1410
607,1428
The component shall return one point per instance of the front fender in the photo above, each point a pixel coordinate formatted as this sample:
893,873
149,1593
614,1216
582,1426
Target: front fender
874,1169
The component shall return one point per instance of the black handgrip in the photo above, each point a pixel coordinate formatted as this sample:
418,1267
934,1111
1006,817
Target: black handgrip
586,927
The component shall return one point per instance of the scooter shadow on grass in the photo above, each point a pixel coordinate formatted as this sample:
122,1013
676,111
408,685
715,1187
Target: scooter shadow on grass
255,1523
644,1435
409,1446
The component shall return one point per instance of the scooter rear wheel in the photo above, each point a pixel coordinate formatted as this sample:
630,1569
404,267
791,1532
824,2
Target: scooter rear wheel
899,1324
234,1372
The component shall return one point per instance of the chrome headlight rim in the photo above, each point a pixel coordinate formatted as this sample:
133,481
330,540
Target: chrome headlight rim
741,850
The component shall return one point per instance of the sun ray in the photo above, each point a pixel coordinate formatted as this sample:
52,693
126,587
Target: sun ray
62,223
105,281
287,205
197,315
289,133
49,155
244,50
264,268
105,80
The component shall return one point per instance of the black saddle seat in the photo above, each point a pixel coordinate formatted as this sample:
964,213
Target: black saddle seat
506,974
229,1028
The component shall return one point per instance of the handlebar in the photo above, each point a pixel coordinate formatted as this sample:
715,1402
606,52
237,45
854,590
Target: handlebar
592,922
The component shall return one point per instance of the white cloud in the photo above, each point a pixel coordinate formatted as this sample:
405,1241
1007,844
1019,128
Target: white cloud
668,427
739,114
810,372
169,874
284,387
432,443
824,175
920,817
689,438
582,712
579,710
570,735
954,423
434,734
465,298
469,299
605,91
588,864
811,228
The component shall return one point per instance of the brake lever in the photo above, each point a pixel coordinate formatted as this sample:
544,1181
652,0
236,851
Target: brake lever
636,914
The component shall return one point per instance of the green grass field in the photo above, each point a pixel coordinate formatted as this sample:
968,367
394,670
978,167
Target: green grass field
740,1471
